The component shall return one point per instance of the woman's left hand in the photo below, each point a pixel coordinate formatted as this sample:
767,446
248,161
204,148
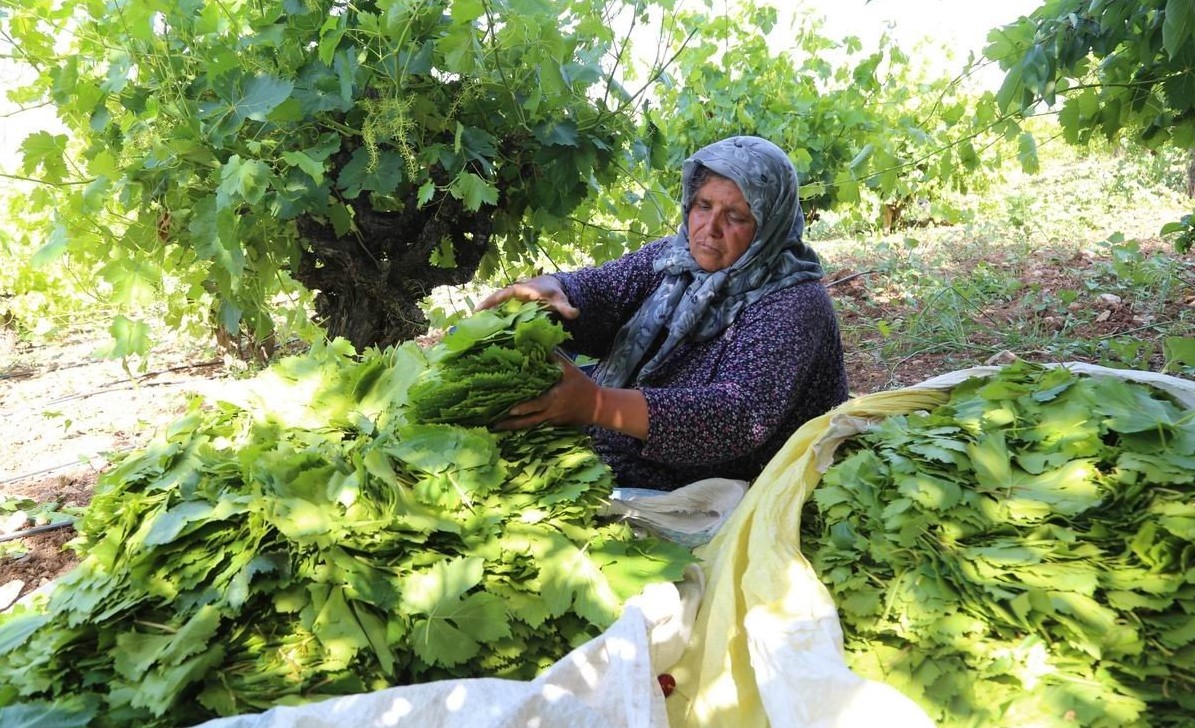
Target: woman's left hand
571,401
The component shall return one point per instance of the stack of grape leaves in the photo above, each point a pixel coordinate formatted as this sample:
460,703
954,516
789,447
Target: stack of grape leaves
350,527
1022,555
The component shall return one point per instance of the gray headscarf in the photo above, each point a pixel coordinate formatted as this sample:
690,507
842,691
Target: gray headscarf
696,305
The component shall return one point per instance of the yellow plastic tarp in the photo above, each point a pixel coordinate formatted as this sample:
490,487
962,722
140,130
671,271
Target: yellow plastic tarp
767,647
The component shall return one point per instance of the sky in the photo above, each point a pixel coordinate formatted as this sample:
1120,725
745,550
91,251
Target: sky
961,25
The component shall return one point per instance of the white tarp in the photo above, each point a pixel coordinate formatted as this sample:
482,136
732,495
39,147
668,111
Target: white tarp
609,682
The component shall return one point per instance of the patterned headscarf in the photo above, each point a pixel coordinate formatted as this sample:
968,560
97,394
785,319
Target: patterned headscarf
696,305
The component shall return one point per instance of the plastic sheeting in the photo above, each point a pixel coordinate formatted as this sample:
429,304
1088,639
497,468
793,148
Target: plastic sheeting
609,682
767,645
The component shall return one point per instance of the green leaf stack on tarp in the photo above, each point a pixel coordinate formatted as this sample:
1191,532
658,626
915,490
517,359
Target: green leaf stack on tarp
335,538
484,365
1022,555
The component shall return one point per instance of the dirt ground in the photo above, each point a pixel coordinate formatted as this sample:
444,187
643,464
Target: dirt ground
63,411
1097,316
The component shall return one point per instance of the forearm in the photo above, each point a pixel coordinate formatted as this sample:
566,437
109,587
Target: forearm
607,297
544,289
622,410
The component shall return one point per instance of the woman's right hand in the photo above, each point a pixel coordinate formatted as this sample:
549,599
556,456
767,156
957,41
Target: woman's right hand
577,400
545,289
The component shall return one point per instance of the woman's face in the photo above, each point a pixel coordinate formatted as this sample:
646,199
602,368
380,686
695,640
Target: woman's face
721,226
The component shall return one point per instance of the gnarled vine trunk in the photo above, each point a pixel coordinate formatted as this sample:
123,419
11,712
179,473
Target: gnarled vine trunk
1191,174
370,281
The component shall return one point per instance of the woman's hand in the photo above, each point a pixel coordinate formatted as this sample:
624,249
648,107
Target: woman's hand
576,400
541,288
571,401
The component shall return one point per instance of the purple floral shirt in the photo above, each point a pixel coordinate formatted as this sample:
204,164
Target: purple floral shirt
718,408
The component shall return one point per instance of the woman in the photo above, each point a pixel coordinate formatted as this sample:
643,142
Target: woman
715,343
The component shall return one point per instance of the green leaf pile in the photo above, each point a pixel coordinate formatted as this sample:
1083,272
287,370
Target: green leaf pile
1022,555
248,558
488,362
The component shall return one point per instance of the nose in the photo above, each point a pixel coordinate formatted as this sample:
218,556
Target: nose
716,226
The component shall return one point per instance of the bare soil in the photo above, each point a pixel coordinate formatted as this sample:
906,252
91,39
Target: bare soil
63,410
1098,315
63,413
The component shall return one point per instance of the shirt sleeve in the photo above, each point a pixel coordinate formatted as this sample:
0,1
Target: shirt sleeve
607,297
775,352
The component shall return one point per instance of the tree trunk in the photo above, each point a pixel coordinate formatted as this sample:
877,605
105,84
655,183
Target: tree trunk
1191,175
369,283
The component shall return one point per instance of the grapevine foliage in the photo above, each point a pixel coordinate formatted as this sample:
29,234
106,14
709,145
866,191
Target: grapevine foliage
875,136
872,134
1111,68
220,154
370,151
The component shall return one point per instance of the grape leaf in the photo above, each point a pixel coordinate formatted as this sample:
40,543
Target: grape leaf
448,626
45,151
260,96
571,580
139,652
242,181
72,711
1131,409
473,191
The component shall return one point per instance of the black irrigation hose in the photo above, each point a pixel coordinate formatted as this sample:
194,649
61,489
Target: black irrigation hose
108,390
31,372
19,374
36,530
844,279
64,466
183,368
111,387
43,471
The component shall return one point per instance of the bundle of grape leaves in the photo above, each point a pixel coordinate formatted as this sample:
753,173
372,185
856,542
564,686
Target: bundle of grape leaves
328,540
1023,554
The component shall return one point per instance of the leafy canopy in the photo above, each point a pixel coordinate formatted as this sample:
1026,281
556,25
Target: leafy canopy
1111,68
222,153
1112,65
225,152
